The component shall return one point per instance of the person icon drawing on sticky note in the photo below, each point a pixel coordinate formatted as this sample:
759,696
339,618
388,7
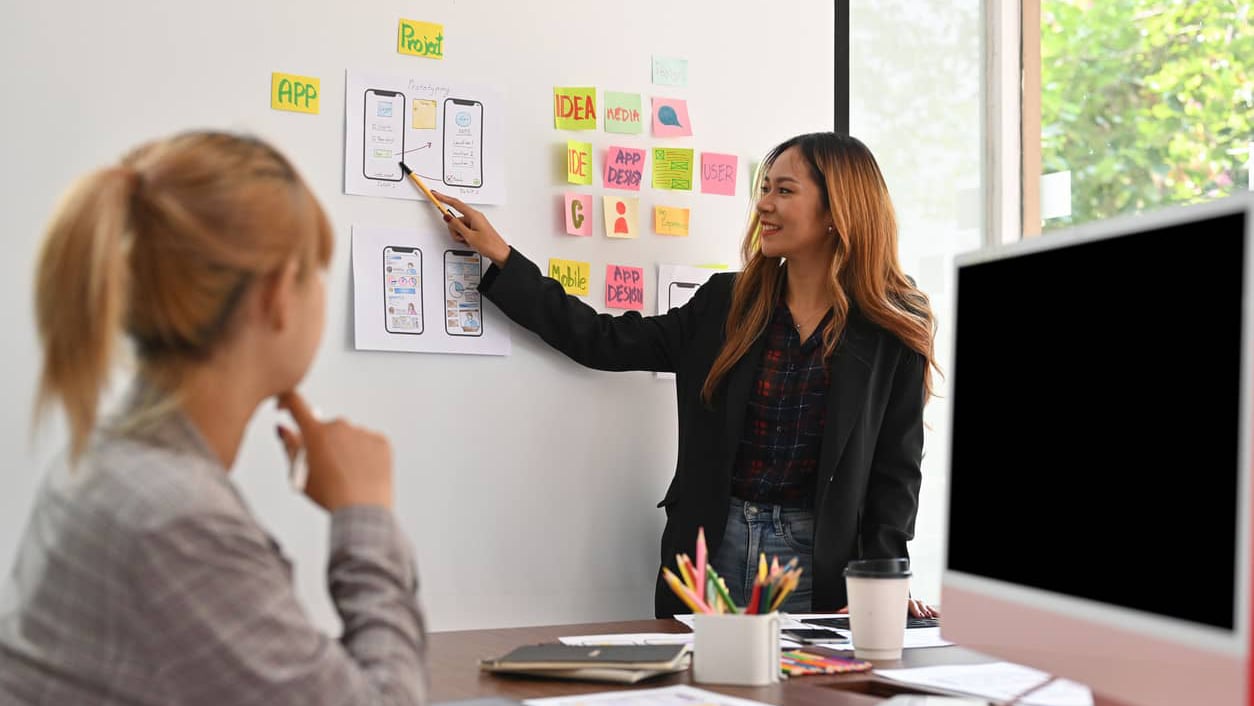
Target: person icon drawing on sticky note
620,223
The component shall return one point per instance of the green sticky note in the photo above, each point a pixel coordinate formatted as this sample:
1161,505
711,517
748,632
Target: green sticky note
670,71
672,168
623,113
575,108
579,162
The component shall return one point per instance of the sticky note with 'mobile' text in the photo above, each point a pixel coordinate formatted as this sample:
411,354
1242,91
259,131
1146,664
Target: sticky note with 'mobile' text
572,274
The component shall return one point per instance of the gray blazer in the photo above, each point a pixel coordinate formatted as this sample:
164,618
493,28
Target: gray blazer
143,578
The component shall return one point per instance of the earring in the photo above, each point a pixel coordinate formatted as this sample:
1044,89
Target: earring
831,230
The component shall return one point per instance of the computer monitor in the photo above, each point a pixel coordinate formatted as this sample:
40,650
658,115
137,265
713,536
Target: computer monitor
1099,491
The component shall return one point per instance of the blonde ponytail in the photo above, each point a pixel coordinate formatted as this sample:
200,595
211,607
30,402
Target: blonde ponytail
164,247
80,295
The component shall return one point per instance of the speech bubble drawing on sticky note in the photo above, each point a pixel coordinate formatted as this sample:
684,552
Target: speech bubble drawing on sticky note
578,213
670,118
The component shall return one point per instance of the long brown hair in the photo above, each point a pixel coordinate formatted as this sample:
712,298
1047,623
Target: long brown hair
163,246
865,265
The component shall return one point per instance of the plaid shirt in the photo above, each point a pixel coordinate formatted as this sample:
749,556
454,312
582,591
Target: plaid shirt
779,448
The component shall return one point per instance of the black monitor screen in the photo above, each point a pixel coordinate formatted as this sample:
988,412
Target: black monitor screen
1096,419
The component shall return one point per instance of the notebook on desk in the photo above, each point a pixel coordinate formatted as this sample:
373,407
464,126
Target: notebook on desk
611,663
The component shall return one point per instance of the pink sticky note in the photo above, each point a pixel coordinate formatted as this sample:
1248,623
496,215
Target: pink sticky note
670,118
578,213
624,168
718,173
624,287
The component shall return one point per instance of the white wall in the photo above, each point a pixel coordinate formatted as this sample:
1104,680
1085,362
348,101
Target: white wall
527,484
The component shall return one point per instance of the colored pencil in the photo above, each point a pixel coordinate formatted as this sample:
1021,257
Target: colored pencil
688,597
681,562
701,557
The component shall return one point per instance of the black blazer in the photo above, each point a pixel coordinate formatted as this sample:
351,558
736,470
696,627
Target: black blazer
867,483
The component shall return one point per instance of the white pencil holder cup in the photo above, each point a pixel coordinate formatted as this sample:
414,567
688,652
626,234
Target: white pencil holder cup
736,649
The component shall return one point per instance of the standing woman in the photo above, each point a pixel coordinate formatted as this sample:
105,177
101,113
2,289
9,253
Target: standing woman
801,380
142,577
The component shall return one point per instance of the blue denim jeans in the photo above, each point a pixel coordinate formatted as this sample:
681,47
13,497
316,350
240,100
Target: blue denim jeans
779,531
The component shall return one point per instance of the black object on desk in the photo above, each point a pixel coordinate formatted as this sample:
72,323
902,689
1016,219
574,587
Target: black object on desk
842,622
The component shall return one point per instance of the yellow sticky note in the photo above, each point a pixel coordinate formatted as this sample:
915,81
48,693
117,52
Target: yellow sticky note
572,274
670,220
424,39
578,162
575,108
291,92
622,216
423,117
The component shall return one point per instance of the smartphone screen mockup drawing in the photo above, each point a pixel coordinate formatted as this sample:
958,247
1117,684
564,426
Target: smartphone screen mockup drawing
679,293
463,142
384,135
402,290
463,309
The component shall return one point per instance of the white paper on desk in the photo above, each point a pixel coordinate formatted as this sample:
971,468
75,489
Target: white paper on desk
666,696
997,681
915,637
633,638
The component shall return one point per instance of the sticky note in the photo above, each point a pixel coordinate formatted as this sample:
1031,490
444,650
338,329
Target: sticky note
578,213
295,93
623,113
575,108
422,116
624,168
670,220
578,162
424,39
624,287
622,216
670,118
572,274
718,173
672,168
668,71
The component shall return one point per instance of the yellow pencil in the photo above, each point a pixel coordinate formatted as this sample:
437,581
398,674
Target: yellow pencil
762,567
423,188
682,562
787,585
689,599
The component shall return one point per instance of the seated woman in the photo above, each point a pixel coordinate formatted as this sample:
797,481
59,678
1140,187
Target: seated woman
143,578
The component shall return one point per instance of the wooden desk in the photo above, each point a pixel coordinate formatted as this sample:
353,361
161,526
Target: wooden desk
453,659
